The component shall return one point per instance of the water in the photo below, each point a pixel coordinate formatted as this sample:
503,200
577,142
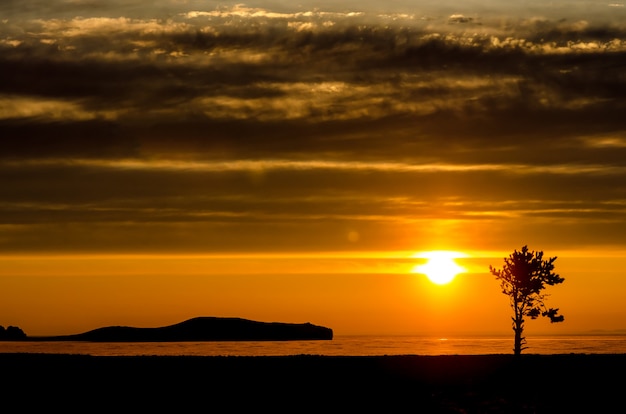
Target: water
340,346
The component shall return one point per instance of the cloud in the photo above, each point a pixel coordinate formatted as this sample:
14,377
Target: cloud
242,11
459,18
299,123
17,107
164,67
605,141
311,165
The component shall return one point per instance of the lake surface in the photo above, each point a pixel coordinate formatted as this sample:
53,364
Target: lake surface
357,345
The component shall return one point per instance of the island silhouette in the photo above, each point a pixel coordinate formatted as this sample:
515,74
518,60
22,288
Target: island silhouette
203,328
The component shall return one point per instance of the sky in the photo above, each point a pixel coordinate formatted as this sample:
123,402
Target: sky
281,161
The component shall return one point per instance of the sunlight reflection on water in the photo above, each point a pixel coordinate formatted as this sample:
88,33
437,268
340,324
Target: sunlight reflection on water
339,346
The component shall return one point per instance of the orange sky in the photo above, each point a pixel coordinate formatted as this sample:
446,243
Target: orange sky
353,294
284,161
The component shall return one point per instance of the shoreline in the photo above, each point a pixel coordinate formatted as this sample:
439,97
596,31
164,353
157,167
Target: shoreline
451,383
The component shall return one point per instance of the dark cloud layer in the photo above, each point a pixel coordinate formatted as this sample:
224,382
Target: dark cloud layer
126,128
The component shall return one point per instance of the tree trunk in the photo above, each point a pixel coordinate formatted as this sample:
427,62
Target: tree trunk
518,328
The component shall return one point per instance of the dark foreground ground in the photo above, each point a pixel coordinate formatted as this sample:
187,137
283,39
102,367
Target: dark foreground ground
294,384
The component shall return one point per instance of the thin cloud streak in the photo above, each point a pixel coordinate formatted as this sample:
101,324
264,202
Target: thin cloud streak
269,164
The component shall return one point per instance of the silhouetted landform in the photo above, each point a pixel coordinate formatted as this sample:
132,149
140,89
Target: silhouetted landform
472,384
204,329
11,333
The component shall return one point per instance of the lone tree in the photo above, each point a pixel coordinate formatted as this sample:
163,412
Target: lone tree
523,278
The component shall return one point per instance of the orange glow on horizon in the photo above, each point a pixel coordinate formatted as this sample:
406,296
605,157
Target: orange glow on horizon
351,292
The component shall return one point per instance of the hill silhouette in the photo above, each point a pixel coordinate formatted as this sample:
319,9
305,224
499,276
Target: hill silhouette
11,333
204,329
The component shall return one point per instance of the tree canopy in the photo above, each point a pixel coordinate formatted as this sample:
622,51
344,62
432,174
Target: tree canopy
523,278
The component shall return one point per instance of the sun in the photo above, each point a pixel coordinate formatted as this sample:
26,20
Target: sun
441,267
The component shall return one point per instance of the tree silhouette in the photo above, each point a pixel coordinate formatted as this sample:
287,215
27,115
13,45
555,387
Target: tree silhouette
524,276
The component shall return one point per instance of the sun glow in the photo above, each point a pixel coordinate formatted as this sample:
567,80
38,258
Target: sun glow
441,267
